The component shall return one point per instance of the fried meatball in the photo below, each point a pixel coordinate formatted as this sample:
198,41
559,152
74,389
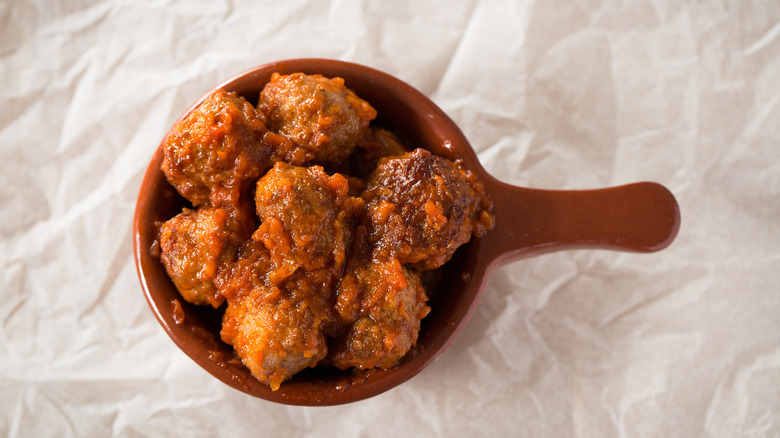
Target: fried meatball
381,305
217,152
196,244
422,207
274,338
279,330
377,143
305,218
318,114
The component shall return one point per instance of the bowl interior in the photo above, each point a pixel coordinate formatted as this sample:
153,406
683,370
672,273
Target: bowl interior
195,329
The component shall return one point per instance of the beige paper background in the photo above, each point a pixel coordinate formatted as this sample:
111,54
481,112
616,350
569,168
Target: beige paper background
561,94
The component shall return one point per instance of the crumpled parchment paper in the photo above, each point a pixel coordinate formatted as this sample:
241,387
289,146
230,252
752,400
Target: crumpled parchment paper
553,94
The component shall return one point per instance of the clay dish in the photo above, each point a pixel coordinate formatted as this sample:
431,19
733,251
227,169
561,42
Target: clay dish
642,217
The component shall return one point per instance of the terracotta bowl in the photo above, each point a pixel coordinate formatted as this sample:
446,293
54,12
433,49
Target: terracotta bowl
641,217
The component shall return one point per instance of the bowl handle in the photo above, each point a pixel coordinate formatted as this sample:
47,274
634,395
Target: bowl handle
640,217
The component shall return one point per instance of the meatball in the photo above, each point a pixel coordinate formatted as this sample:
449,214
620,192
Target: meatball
378,143
275,338
318,114
381,305
422,207
306,218
217,152
196,245
279,330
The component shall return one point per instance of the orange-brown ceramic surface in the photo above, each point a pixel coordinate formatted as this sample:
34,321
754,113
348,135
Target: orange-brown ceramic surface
637,217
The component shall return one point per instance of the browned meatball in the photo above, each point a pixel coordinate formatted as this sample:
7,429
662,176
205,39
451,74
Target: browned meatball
305,217
381,304
378,143
422,207
196,244
217,151
318,114
279,330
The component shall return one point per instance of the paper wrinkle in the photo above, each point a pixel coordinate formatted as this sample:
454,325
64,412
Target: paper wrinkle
737,406
551,94
461,46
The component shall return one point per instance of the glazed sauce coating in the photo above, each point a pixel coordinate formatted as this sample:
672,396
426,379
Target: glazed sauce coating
196,245
277,328
318,114
381,305
309,227
280,330
422,207
217,151
305,217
